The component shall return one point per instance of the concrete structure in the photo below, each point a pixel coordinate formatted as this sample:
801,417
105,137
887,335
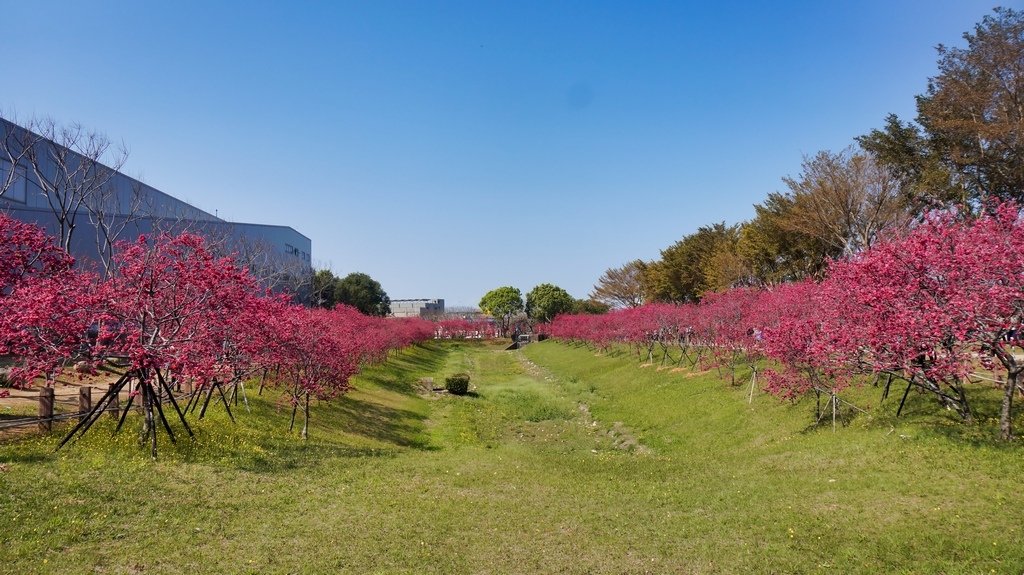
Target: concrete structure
111,203
427,308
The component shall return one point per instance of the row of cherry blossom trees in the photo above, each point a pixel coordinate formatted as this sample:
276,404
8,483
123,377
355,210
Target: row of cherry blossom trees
462,328
937,307
172,312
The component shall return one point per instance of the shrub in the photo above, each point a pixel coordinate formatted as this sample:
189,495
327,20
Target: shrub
457,384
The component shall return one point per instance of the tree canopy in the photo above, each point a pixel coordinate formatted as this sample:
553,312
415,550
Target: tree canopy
545,301
682,273
356,289
590,307
622,286
363,293
773,251
324,282
502,304
845,200
965,146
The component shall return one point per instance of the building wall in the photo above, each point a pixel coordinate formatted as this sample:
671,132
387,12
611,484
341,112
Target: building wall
121,194
417,307
274,252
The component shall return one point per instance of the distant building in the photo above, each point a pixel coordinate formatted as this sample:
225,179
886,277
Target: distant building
279,256
426,308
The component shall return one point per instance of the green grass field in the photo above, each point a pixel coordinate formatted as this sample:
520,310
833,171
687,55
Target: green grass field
558,461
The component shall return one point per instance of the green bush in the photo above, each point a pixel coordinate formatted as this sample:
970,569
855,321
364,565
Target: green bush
457,384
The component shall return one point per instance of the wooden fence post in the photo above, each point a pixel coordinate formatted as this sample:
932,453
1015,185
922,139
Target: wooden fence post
115,403
45,408
84,400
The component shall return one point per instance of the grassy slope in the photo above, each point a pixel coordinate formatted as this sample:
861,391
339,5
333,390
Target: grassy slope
517,478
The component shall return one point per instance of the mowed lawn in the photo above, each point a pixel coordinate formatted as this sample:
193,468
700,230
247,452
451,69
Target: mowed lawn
560,461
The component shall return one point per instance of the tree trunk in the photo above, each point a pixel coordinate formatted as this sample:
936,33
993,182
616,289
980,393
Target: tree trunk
305,419
1013,371
964,406
753,383
1005,419
149,429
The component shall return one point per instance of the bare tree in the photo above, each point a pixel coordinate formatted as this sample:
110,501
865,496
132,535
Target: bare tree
15,144
846,200
77,173
277,271
621,287
71,167
274,270
111,213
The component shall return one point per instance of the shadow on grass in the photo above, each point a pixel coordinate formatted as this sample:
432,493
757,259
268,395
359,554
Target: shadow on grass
26,457
259,443
293,456
922,412
408,365
278,449
400,427
352,426
16,416
393,427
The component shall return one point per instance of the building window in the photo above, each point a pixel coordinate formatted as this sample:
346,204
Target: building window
18,189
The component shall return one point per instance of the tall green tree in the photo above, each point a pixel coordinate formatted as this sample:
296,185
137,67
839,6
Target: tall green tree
775,253
324,283
545,301
363,293
904,148
502,304
967,144
726,268
682,273
590,306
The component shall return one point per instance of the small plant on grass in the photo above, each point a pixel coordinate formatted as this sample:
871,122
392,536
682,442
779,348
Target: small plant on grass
457,384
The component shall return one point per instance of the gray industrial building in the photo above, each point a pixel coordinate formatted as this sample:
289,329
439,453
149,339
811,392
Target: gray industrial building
59,189
425,308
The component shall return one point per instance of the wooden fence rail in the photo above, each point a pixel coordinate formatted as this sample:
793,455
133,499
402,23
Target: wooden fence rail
47,404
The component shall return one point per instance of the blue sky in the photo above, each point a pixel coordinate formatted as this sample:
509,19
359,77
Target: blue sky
447,148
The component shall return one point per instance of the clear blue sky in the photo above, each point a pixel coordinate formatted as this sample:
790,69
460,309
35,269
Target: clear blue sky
447,148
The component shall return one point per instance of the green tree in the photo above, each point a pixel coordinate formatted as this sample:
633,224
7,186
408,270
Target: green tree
324,284
772,251
545,301
725,268
363,293
590,306
966,145
684,272
502,304
904,149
